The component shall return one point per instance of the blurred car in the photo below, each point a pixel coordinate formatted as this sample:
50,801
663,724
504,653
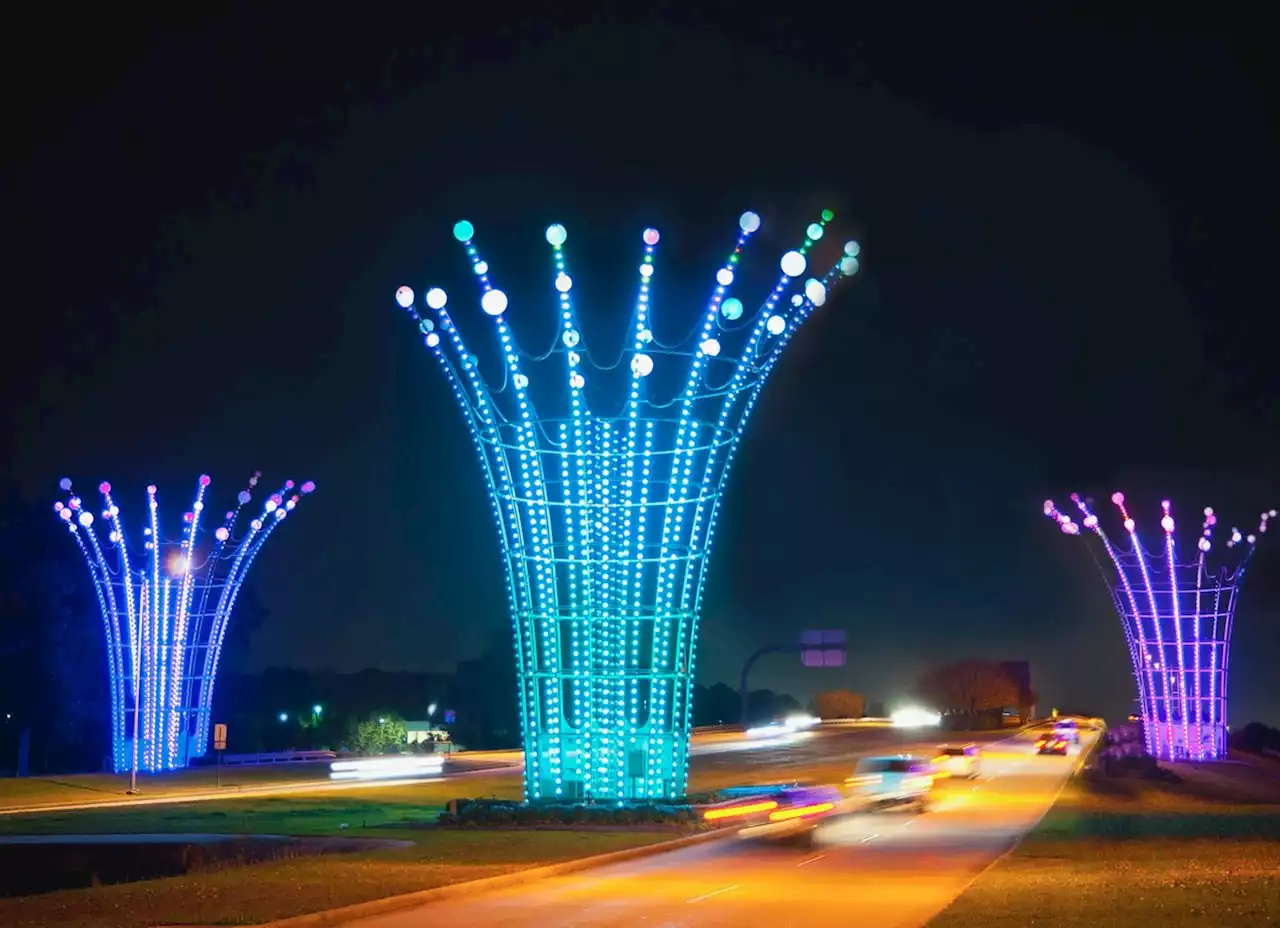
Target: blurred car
896,780
1051,744
958,760
780,811
1068,729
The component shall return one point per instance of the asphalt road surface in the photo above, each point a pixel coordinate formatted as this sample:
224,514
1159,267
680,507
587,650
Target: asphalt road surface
882,870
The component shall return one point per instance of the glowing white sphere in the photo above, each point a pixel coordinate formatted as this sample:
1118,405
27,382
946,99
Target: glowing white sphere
1252,539
1090,521
852,249
814,232
1167,523
556,234
642,365
243,497
793,264
651,236
815,291
574,359
86,519
724,277
646,271
464,231
1208,510
221,534
570,338
776,325
404,296
481,267
797,300
433,340
1203,544
644,336
521,381
437,298
494,302
114,537
64,514
848,266
564,283
1130,525
710,347
577,381
748,221
731,309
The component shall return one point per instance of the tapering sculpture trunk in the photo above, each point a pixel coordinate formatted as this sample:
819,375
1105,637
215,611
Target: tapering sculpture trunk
606,518
1177,617
165,616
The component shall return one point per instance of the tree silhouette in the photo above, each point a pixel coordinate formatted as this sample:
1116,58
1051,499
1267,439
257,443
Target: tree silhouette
968,687
837,704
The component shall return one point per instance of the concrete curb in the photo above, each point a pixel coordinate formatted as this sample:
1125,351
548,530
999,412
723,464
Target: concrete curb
387,904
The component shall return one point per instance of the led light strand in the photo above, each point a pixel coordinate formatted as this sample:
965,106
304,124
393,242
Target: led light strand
1167,523
1131,622
483,419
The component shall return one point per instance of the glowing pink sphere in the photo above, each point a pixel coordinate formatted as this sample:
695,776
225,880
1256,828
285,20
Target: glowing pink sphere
651,236
151,489
1117,498
308,486
222,534
288,484
188,516
104,488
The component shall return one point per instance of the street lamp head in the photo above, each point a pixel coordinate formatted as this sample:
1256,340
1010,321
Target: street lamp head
284,716
317,708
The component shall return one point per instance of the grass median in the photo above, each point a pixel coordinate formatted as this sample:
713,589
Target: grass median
1134,853
281,888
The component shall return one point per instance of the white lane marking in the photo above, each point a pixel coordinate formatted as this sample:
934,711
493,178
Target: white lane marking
868,838
804,863
712,893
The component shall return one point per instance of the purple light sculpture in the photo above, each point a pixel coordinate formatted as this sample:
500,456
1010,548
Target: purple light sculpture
1177,618
166,615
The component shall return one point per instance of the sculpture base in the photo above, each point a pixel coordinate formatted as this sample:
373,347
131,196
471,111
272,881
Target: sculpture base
1173,741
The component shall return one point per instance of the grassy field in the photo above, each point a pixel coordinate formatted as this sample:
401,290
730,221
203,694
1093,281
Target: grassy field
1135,853
293,887
88,788
245,896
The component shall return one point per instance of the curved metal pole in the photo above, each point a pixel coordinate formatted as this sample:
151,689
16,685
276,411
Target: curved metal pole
746,670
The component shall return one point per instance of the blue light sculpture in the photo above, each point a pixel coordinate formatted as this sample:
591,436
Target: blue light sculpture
1177,617
166,617
606,516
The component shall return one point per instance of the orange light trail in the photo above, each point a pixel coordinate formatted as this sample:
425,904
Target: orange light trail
712,815
783,815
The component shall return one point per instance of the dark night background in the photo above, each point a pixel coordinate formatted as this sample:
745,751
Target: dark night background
1068,226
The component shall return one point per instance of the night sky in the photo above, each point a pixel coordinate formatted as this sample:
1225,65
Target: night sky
1068,229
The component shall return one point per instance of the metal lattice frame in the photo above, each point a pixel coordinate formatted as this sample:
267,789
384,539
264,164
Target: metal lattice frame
606,519
1177,619
166,620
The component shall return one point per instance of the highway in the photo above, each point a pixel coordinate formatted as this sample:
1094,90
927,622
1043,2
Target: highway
888,869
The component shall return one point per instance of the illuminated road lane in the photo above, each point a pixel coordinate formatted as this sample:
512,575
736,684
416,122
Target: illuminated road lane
888,869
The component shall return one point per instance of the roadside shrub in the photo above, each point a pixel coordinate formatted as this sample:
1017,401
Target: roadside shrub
488,813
